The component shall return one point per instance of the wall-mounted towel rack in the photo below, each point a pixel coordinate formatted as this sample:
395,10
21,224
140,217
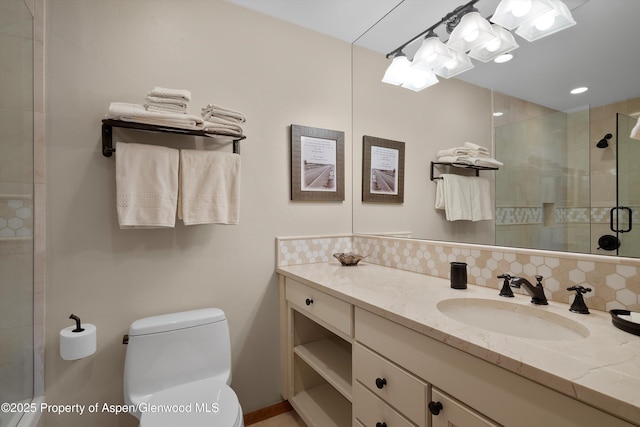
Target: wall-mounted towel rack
459,165
109,124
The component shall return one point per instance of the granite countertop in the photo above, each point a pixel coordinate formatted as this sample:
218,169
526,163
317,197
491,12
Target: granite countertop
602,369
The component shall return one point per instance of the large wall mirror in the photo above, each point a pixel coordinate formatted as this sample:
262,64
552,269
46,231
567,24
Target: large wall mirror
571,174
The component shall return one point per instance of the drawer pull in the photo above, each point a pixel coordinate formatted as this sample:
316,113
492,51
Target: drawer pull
379,424
435,407
381,382
308,301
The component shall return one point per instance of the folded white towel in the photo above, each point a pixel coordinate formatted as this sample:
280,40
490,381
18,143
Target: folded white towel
465,160
170,93
137,113
165,108
209,187
224,112
171,101
464,198
476,147
635,132
456,151
222,127
147,185
486,161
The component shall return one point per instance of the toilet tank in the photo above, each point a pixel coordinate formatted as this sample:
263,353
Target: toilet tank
172,349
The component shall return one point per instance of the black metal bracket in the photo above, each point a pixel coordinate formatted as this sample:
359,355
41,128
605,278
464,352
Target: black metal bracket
109,124
459,165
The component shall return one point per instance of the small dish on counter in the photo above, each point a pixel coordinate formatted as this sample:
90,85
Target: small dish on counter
621,319
349,259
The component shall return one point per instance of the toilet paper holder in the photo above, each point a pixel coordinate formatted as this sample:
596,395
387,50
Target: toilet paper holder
79,327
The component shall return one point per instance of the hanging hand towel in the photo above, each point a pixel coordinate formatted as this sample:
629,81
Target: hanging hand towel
147,185
635,132
481,205
464,198
456,194
209,187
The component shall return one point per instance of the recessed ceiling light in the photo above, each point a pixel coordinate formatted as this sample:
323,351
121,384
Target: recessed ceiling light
503,58
497,113
579,90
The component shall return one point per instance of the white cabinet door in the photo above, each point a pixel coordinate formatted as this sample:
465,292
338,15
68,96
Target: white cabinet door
447,412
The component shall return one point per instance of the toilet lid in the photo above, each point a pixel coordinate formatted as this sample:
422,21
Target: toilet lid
198,404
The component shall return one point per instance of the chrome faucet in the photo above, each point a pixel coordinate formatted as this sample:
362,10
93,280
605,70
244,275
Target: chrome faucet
537,292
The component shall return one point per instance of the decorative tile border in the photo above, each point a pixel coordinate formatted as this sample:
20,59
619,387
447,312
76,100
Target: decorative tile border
615,282
16,216
511,215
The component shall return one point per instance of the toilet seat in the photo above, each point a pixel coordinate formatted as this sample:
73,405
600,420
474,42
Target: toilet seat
204,403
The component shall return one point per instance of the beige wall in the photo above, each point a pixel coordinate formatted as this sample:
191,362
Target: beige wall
276,74
439,117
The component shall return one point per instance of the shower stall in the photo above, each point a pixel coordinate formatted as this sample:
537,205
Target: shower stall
542,191
564,186
16,211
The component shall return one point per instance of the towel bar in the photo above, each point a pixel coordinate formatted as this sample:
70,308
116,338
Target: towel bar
109,124
460,165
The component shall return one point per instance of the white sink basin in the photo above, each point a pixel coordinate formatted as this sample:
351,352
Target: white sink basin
512,319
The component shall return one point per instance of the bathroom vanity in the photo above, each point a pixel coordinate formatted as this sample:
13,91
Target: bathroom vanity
372,346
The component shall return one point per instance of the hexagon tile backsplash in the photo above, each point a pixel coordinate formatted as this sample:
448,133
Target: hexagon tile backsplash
615,282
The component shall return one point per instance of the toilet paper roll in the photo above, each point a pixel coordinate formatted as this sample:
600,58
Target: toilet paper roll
76,345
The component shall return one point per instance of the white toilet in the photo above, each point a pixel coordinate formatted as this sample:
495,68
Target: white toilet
178,369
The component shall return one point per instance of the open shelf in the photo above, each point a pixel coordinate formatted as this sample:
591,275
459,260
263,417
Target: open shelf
461,166
109,124
331,358
322,406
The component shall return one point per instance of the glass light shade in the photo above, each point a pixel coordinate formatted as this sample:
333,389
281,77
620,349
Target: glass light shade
397,71
548,23
472,31
418,79
431,54
512,13
502,43
459,64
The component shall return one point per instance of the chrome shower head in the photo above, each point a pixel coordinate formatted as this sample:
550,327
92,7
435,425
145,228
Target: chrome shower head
604,142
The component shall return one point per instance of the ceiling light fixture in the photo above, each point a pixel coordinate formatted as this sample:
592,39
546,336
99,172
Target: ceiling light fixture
579,90
432,54
510,14
506,57
502,42
473,36
558,18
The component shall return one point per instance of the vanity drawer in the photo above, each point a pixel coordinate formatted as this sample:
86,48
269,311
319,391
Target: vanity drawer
323,307
400,389
369,410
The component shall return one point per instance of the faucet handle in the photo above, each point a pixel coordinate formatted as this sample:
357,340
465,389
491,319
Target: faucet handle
578,305
579,289
539,280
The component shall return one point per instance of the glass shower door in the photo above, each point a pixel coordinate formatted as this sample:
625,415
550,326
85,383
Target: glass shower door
626,215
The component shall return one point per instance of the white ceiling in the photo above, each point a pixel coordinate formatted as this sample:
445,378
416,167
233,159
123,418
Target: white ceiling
602,51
